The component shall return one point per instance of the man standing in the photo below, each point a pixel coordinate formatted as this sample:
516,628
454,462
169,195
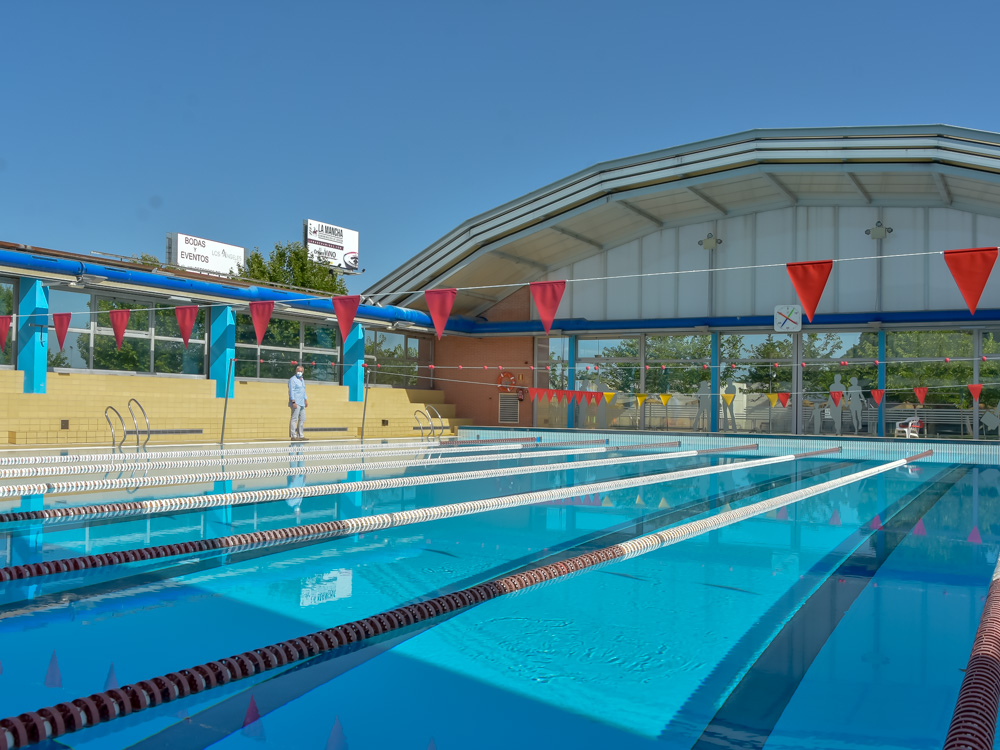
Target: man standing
297,402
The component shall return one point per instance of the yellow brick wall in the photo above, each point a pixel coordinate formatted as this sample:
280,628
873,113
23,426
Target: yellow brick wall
259,410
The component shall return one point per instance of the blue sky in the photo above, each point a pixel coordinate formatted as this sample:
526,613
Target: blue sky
234,121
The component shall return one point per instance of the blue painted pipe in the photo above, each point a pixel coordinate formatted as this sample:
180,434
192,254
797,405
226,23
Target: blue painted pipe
28,263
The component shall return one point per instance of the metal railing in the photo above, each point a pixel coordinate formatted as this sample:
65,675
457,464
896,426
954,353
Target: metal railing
433,412
417,415
149,432
111,425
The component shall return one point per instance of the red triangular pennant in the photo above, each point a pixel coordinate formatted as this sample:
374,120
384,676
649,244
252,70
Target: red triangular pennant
550,393
835,518
60,321
119,322
876,523
260,313
186,316
547,296
809,279
921,394
783,398
974,537
836,396
440,302
919,529
532,394
5,329
345,308
53,677
877,394
975,389
971,269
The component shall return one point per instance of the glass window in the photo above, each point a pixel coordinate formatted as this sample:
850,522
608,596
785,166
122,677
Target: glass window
924,344
246,362
245,333
321,367
166,324
608,348
840,345
61,301
282,333
133,356
679,347
400,359
138,319
320,336
75,353
173,357
772,346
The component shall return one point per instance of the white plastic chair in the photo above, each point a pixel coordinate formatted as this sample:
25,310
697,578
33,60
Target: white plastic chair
909,429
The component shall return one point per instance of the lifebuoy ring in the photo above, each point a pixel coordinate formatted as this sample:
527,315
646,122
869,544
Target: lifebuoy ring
506,382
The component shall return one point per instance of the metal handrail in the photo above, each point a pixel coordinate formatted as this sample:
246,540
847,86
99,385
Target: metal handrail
416,415
111,408
432,411
149,432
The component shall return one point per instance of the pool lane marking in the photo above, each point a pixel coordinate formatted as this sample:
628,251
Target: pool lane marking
47,723
110,589
251,497
363,524
278,689
974,720
795,629
91,485
290,450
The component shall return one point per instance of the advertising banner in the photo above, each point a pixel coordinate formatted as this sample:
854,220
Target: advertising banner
332,245
197,254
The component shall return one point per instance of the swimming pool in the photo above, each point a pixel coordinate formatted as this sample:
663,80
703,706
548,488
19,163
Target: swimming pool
721,600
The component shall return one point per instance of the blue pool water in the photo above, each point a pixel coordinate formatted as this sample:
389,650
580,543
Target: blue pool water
806,627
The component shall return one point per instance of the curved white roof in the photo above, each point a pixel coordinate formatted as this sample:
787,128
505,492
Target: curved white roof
613,202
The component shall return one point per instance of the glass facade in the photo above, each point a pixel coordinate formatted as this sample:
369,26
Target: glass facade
285,342
400,360
153,345
825,377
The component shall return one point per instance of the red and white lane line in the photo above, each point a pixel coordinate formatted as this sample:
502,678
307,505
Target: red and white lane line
70,716
251,497
364,524
974,722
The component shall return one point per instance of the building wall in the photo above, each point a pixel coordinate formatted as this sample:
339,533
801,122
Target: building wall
476,398
777,237
258,410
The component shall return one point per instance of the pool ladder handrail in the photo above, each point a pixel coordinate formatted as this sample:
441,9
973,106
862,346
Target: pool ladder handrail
113,439
417,415
149,432
433,412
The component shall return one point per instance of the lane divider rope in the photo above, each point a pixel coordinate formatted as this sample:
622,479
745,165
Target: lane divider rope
252,497
364,524
284,449
974,721
54,721
90,485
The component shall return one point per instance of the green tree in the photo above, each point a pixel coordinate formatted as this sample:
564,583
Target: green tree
289,264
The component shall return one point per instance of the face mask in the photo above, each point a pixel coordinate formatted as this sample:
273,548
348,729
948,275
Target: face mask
298,374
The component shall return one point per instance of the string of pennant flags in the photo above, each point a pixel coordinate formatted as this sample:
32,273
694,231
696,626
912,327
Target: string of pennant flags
594,397
970,268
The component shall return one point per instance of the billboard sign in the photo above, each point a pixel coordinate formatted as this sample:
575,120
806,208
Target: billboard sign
332,245
197,254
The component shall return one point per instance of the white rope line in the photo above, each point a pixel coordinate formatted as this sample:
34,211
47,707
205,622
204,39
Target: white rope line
332,529
285,451
49,488
68,469
673,273
252,497
649,542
